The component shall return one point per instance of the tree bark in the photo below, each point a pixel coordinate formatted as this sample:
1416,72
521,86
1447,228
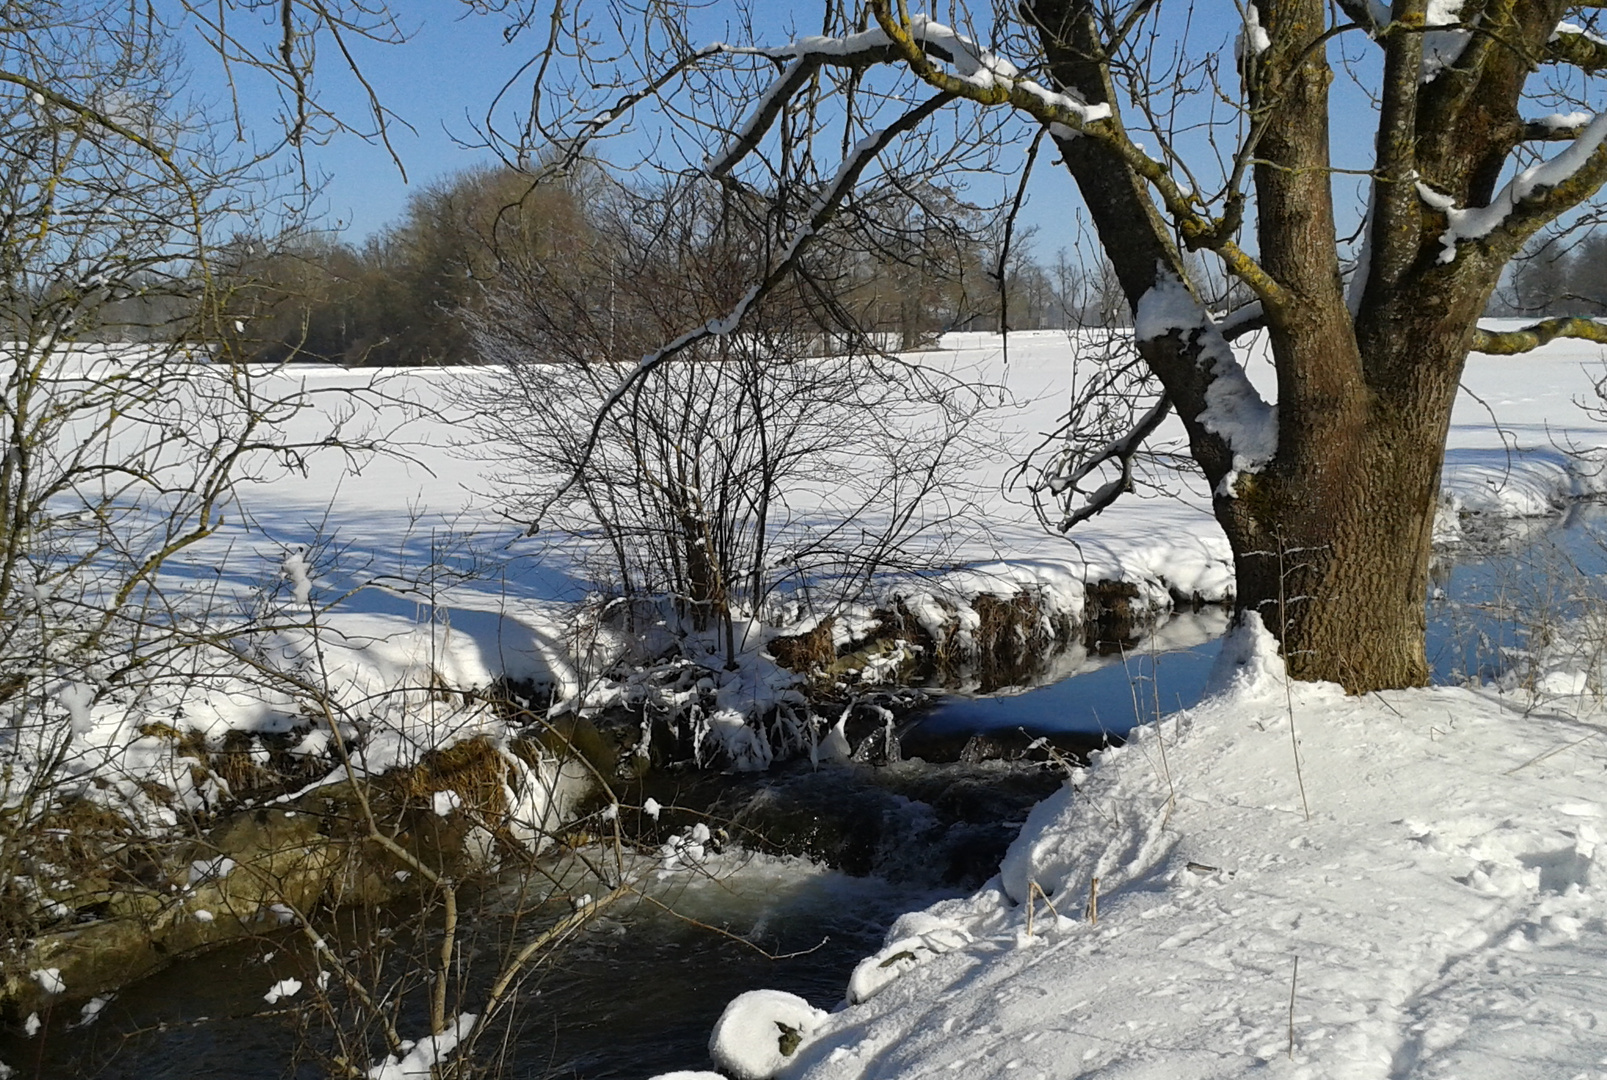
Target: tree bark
1332,542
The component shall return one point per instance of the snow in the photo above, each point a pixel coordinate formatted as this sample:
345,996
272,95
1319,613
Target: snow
284,988
1440,912
295,569
1561,121
746,1040
971,62
1477,222
1442,48
213,869
1234,410
729,733
90,1011
1254,33
49,980
1444,899
379,657
418,1060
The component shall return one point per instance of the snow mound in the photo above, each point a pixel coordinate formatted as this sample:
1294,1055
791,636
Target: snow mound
1442,911
759,1031
875,972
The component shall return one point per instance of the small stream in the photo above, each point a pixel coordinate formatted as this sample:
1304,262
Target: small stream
639,991
1488,596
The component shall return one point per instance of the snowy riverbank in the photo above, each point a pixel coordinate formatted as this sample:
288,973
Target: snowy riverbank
1440,911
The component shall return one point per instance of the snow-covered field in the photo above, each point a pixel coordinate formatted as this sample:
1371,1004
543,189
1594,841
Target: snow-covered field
426,522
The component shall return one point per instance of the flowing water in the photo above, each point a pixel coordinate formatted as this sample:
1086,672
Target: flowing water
640,989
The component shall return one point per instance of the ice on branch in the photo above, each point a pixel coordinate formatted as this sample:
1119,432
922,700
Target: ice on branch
1234,411
1478,222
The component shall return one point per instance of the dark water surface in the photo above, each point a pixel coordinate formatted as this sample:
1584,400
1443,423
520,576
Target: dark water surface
1489,595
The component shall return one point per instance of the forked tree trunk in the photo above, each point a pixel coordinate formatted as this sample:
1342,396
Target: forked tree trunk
1331,534
1332,541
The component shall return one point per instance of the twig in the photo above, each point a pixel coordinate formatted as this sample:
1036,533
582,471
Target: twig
1036,890
1549,753
1293,978
1288,691
1093,901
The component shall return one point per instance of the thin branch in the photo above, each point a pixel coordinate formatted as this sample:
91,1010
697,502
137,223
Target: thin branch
1122,450
825,208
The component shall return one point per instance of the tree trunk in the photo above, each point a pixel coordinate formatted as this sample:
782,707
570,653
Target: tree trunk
1332,542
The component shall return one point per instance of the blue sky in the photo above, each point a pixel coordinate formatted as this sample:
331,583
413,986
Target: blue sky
442,79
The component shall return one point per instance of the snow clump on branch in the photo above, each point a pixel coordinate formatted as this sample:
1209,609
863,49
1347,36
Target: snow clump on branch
1478,222
1234,411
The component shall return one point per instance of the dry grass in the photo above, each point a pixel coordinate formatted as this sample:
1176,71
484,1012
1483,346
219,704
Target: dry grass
474,769
813,651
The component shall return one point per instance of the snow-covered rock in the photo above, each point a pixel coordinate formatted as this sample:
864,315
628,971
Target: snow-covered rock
759,1031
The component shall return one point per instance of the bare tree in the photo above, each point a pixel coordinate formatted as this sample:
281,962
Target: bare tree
771,460
126,415
1327,494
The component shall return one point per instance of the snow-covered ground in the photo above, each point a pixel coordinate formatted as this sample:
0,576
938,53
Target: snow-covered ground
1290,882
426,521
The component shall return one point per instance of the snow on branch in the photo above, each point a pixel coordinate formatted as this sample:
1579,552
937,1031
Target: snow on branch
1536,188
1243,320
820,213
774,99
971,64
1558,127
1234,411
1123,451
1445,35
1529,338
1577,46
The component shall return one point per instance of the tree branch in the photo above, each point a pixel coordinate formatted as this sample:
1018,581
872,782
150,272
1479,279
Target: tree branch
989,80
1122,450
1515,342
824,209
1545,131
1576,47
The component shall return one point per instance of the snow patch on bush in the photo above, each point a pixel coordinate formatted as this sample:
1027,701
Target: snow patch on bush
418,1060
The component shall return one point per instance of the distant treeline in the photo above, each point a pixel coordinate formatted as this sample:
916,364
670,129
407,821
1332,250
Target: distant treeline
1566,275
898,266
